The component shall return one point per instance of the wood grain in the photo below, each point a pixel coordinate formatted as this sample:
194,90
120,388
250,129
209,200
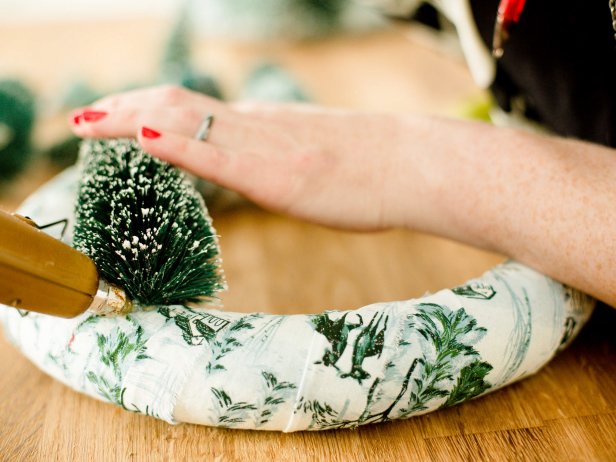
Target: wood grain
565,412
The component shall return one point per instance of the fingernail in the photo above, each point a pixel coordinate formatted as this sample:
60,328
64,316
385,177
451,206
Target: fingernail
77,119
149,133
92,116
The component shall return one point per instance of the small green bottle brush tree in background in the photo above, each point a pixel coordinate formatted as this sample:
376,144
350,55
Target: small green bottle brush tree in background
145,226
17,111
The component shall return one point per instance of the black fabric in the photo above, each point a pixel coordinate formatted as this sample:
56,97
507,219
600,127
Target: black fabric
561,59
428,16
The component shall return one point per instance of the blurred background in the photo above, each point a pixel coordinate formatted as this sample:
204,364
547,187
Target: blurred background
371,55
377,55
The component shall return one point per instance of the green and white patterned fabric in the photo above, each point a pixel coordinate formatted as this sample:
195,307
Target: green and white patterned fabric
303,372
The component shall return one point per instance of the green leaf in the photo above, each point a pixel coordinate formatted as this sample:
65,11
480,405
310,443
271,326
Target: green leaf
471,382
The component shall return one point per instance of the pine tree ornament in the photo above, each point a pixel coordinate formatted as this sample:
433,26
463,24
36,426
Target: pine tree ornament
176,65
145,226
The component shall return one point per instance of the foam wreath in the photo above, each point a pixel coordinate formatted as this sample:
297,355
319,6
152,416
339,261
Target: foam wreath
337,369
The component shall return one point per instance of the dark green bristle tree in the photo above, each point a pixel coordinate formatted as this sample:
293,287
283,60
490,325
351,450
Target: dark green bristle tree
145,226
270,82
176,64
176,57
17,110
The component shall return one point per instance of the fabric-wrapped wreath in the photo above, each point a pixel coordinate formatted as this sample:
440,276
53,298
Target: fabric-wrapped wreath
337,369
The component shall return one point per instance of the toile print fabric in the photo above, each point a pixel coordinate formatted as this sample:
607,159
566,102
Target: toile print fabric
337,369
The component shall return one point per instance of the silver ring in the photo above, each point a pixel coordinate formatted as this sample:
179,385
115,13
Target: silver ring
204,129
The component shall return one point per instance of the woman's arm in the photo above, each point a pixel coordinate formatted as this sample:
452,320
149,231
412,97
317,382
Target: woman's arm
542,200
545,201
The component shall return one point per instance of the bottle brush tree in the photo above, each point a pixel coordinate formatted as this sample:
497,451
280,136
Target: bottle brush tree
145,226
17,110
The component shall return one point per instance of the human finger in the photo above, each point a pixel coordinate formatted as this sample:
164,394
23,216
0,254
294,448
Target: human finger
262,176
161,95
204,159
125,122
232,130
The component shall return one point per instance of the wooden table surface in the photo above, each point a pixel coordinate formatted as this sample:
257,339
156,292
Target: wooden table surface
565,412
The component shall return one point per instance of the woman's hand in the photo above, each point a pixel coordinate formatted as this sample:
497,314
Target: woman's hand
331,167
545,201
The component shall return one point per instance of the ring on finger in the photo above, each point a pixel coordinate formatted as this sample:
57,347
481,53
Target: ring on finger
204,129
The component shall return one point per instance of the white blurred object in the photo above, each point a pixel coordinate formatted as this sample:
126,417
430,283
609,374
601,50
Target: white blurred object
401,8
286,19
479,59
459,12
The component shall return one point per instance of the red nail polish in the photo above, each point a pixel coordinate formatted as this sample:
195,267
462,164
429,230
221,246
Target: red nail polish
92,116
77,119
149,133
